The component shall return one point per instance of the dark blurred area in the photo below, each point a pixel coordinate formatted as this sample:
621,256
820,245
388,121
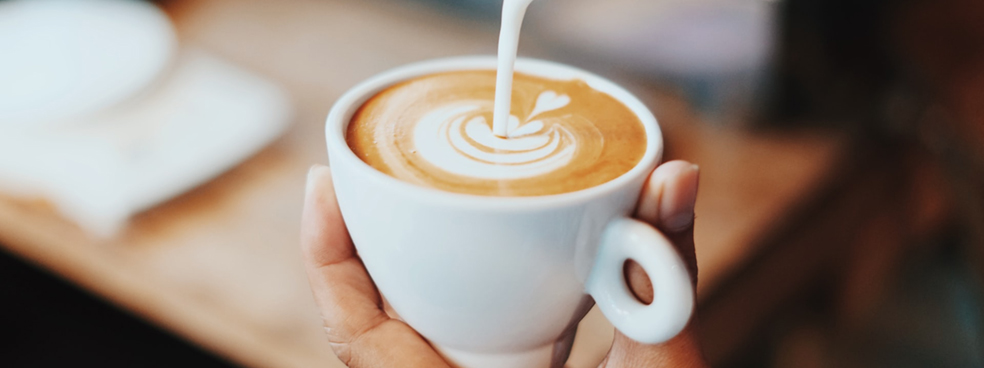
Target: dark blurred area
902,286
50,323
905,78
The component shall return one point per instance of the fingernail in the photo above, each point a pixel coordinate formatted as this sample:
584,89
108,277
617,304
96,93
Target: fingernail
312,177
676,212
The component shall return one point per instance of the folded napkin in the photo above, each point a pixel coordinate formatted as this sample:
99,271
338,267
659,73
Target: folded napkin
201,118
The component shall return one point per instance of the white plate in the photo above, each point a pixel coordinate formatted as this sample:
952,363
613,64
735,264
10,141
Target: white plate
66,58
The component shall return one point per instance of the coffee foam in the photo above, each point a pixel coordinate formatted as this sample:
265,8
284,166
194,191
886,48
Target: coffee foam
437,131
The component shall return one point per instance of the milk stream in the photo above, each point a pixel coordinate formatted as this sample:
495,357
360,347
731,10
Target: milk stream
513,12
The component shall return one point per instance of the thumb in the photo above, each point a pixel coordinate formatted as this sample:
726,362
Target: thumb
667,203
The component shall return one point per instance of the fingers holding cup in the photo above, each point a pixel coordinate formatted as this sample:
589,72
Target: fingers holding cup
360,333
667,202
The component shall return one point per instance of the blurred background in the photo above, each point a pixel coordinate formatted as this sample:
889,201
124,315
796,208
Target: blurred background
153,156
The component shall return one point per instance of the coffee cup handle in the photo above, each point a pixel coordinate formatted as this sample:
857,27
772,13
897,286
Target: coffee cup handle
673,302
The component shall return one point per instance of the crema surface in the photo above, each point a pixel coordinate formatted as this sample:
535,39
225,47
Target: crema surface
436,131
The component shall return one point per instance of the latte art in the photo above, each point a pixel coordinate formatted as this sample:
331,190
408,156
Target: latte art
459,139
437,131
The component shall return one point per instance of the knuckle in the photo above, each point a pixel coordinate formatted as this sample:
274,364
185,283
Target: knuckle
343,351
344,341
340,346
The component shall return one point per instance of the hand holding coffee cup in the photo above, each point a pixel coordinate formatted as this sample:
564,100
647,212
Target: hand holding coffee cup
364,336
491,247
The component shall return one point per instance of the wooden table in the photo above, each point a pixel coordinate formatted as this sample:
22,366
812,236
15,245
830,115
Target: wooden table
221,266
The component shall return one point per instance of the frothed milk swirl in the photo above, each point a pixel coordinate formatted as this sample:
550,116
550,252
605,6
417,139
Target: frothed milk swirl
436,131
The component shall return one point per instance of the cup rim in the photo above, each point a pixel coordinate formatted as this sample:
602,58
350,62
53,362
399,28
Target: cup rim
341,113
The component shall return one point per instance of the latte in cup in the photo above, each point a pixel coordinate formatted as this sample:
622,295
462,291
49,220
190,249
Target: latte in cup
436,131
501,280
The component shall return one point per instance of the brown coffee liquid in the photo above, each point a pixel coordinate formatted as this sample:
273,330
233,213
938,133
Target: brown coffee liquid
436,131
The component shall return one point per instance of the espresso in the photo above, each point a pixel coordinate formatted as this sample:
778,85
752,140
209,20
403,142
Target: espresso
436,131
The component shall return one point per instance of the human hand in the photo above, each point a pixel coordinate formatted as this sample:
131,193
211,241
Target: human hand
362,335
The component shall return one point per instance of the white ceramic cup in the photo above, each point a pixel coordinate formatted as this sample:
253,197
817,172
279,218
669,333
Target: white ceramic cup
502,282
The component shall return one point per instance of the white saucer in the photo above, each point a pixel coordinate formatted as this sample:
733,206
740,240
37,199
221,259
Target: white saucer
67,58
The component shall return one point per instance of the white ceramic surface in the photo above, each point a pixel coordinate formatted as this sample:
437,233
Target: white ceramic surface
62,59
502,282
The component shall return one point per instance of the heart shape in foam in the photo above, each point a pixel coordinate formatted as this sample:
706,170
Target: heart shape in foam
549,101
